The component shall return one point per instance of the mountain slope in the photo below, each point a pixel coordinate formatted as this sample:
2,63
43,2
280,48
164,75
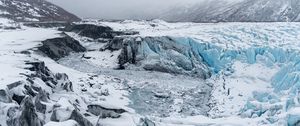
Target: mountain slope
237,11
34,10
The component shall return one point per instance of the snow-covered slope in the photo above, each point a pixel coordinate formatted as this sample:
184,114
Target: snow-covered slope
34,10
236,11
36,90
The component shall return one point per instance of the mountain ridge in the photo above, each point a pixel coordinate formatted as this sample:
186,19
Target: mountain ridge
34,10
237,11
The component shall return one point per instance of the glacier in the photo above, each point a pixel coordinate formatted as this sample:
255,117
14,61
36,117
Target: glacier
221,55
218,60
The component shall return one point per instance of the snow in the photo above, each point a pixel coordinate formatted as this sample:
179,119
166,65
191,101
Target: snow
12,42
233,91
255,78
65,123
125,120
12,62
255,65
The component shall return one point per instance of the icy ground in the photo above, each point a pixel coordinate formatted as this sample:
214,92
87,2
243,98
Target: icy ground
255,65
255,77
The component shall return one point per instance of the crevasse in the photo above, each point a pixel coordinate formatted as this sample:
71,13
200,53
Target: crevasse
218,58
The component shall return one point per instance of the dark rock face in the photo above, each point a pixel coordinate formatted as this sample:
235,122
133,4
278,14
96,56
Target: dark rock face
27,100
80,119
89,30
41,71
13,85
52,80
146,122
66,83
5,96
116,44
18,98
59,47
163,54
35,10
94,31
103,112
27,116
40,98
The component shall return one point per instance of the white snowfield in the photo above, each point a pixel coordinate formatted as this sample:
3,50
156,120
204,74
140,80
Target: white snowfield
255,80
12,66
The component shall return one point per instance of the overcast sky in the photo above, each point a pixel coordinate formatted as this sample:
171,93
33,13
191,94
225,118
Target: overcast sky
118,9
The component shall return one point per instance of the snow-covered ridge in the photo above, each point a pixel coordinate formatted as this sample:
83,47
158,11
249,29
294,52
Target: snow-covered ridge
236,11
34,10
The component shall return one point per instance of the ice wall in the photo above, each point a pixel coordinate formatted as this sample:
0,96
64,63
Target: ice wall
184,55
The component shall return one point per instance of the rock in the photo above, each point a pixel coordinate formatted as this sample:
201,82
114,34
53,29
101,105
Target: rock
18,98
80,119
104,112
51,79
5,96
27,116
57,48
34,87
146,122
90,30
13,85
12,118
41,71
62,110
95,31
20,89
116,44
40,98
64,81
161,95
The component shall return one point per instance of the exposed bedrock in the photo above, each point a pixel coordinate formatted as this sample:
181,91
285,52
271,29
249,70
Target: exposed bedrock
146,122
104,112
26,100
95,31
57,48
5,96
163,54
25,115
43,75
